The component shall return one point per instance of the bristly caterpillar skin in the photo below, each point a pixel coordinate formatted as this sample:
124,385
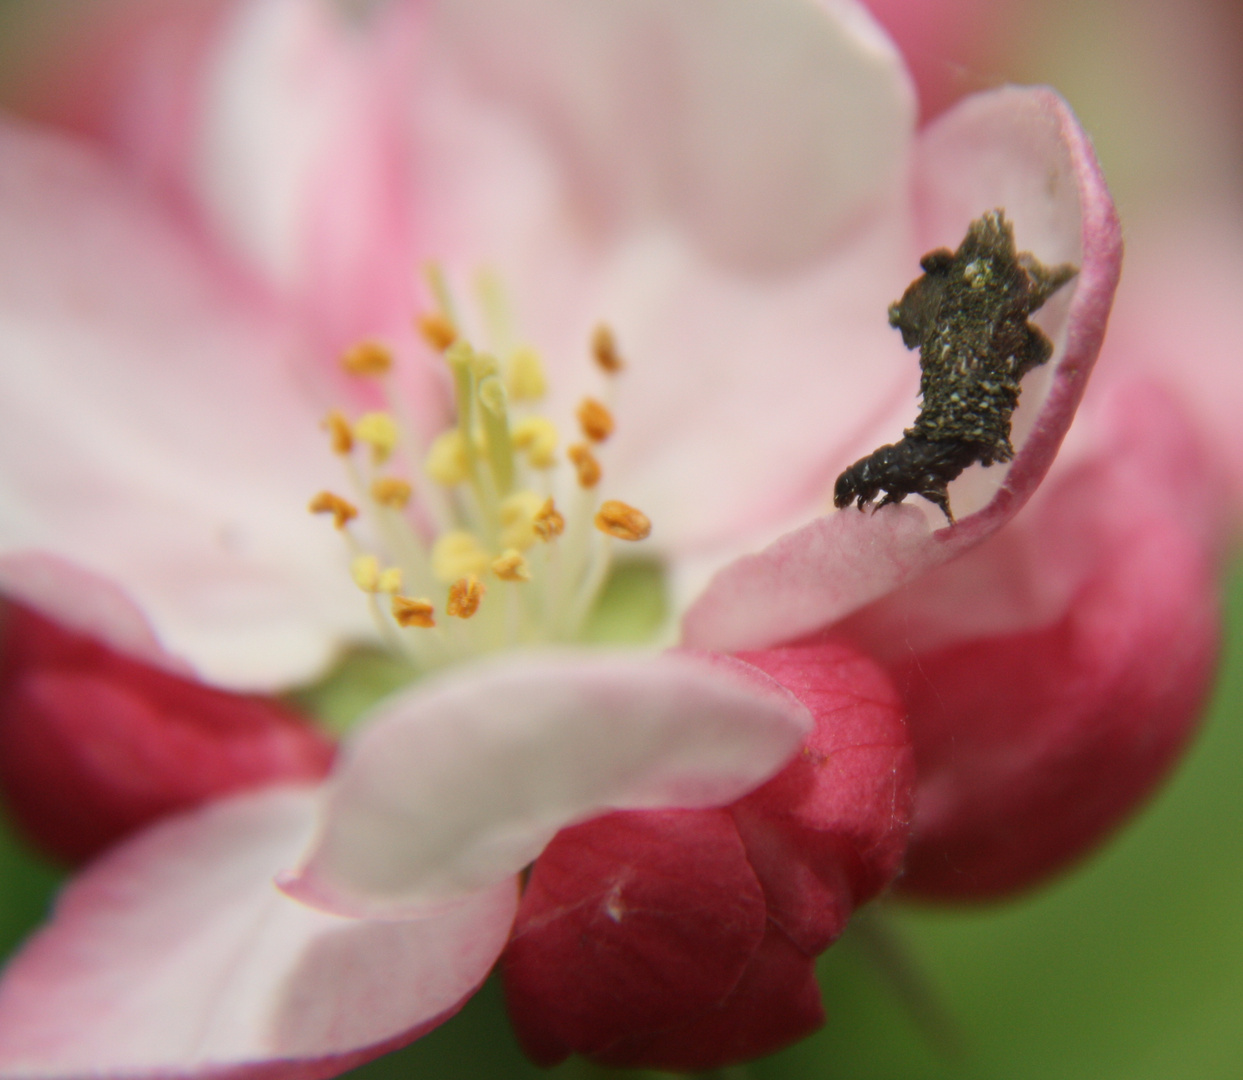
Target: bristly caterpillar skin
967,314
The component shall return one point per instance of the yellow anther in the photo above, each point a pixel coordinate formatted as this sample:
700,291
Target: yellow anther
511,566
365,570
518,519
524,375
339,433
328,503
437,330
549,523
585,464
604,350
368,359
464,597
624,522
410,612
457,554
379,431
391,491
595,420
537,437
446,462
390,580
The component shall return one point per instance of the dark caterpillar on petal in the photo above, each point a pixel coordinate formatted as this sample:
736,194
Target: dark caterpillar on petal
967,314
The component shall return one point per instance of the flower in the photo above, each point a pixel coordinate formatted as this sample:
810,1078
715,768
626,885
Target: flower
169,362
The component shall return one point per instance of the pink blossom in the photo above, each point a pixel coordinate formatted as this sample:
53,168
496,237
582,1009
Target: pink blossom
739,195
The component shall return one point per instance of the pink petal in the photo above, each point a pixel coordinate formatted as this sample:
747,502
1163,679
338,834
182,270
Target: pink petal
952,47
303,165
1176,320
463,781
1044,711
156,435
1023,150
630,925
131,742
176,956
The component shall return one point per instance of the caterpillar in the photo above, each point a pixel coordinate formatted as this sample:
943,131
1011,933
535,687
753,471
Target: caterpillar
967,314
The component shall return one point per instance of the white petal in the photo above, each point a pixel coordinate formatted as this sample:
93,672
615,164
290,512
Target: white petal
462,782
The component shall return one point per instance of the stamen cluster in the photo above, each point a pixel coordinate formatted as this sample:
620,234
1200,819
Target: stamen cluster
484,542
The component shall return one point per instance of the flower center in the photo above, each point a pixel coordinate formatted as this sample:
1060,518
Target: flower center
476,554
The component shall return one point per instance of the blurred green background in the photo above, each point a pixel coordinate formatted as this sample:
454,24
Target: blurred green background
1131,967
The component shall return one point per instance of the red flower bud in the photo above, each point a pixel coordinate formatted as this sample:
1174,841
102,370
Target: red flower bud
686,939
94,744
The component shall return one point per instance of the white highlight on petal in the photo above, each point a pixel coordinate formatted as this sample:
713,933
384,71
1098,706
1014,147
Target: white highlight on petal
175,954
462,782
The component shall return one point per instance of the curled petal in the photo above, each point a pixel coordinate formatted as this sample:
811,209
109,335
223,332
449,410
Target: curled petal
1024,151
175,955
464,781
828,832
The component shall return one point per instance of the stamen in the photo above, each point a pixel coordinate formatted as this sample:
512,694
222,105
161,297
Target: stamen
328,503
458,554
390,580
518,514
379,431
536,436
524,375
604,349
437,330
622,521
391,491
340,436
447,462
595,420
548,524
586,465
511,566
410,612
464,597
368,359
